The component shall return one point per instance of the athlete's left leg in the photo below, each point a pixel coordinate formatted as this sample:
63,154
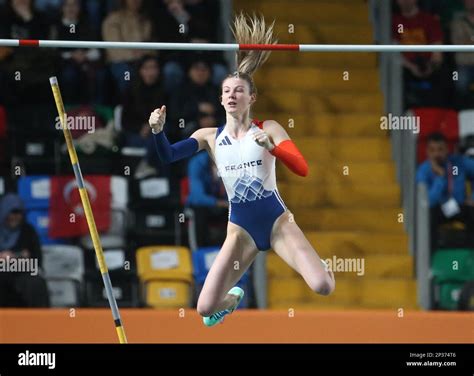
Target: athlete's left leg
289,242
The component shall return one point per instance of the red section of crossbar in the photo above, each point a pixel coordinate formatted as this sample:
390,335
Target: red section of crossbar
29,42
283,47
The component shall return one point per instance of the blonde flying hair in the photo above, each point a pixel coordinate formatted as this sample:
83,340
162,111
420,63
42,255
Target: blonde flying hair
251,30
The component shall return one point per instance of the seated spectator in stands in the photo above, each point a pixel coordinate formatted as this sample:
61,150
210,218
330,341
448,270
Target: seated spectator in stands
94,10
215,59
205,18
462,32
425,79
128,24
208,199
140,100
445,177
35,65
81,77
181,21
18,239
445,9
97,10
50,8
198,95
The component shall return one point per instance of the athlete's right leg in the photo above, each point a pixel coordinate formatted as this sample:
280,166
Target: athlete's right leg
236,255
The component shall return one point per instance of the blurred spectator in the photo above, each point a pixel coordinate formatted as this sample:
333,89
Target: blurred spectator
50,8
447,10
128,24
425,80
144,95
205,186
466,146
197,96
462,32
18,239
96,10
82,78
215,60
445,177
181,21
203,28
204,18
208,199
27,70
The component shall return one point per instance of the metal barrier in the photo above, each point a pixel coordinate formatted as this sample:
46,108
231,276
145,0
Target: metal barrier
413,199
423,248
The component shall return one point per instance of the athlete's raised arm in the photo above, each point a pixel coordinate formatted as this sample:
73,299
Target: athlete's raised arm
182,149
276,140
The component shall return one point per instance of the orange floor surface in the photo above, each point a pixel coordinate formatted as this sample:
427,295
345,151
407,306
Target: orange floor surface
250,326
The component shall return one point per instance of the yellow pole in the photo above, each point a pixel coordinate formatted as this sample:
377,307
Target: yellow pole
88,211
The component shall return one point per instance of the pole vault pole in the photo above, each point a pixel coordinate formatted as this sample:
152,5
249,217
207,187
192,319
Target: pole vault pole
88,211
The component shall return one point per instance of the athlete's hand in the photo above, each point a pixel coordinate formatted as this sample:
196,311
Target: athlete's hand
157,119
262,139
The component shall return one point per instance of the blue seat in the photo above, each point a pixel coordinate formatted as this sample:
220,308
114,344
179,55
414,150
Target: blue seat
35,191
39,219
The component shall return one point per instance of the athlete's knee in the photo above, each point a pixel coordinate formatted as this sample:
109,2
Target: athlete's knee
206,308
322,285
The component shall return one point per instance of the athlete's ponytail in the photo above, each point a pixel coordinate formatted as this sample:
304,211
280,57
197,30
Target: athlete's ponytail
251,30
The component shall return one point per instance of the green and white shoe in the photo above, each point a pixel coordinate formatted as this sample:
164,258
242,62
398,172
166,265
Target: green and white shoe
218,317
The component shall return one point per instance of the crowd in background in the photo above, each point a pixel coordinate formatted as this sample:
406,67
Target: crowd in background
115,85
436,79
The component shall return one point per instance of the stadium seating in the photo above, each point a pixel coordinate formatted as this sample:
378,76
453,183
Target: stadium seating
39,219
451,269
64,271
116,235
349,203
154,205
445,121
35,192
167,294
466,123
154,193
122,274
165,274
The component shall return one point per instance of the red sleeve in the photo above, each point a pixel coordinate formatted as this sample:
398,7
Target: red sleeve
288,153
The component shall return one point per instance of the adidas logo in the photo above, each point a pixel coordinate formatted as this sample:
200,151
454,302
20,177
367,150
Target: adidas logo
225,141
